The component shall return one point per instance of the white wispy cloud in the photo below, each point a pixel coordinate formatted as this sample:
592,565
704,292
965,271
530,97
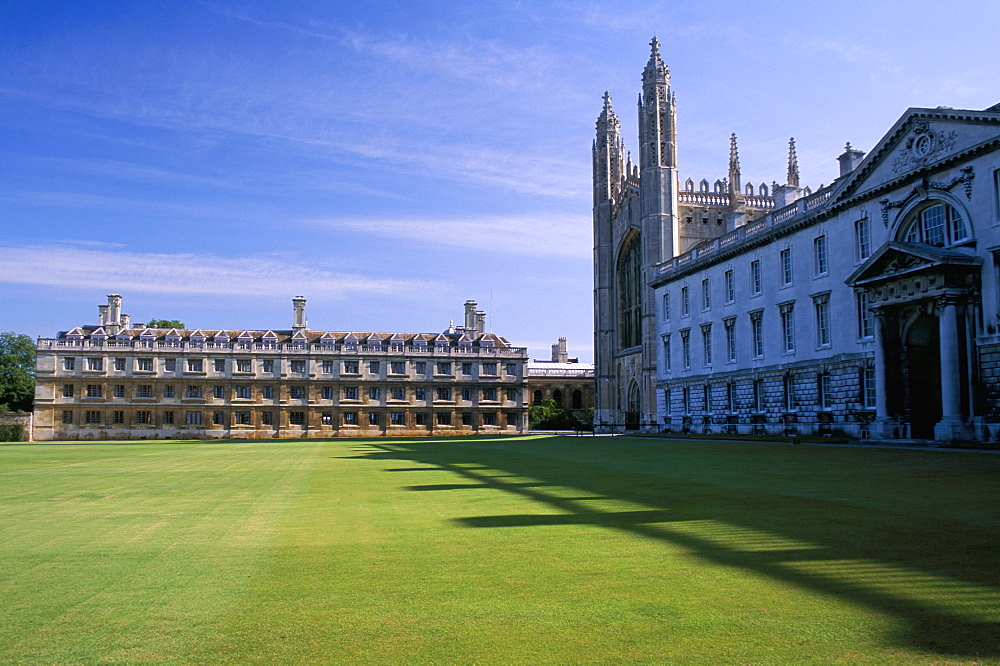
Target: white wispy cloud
163,273
533,235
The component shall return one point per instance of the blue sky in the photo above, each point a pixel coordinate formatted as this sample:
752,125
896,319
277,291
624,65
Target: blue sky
389,160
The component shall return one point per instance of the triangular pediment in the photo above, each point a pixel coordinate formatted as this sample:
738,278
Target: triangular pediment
896,259
921,138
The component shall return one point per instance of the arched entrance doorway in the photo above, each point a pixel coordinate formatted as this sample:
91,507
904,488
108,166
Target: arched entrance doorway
632,407
922,367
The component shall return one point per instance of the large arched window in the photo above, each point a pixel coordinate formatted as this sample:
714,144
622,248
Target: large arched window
936,224
629,293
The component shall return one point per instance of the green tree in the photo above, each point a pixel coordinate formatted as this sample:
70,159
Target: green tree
17,372
165,323
550,414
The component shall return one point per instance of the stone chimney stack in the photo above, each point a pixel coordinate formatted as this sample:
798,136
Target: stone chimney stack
480,322
299,322
470,315
125,322
114,314
850,159
102,315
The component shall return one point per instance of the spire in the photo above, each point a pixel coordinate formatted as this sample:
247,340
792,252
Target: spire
793,164
657,135
655,68
607,120
734,156
608,149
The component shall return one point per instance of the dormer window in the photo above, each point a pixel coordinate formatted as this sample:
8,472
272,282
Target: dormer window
938,224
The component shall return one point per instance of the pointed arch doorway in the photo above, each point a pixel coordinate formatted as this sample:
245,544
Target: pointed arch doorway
632,407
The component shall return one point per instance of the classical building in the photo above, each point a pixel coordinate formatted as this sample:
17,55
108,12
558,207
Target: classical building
117,381
563,379
868,307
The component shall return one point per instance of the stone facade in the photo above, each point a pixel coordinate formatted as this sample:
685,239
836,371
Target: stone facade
563,379
869,307
115,381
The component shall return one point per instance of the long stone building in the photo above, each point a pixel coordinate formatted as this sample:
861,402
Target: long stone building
113,380
868,307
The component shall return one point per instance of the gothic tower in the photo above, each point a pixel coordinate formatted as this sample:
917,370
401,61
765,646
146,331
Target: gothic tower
635,229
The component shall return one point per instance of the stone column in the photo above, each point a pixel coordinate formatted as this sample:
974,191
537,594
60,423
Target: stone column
884,426
952,425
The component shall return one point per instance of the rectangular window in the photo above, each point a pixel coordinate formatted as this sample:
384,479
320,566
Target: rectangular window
822,304
118,417
218,418
685,302
666,307
686,399
242,418
170,365
868,387
706,344
119,365
267,418
93,390
397,367
731,396
326,418
67,391
466,368
466,418
91,417
168,391
327,392
244,365
219,392
244,392
267,392
706,294
95,364
444,368
731,339
466,394
788,389
69,364
420,367
144,391
373,367
193,392
862,239
490,369
168,418
730,286
444,418
67,417
327,367
297,367
511,369
666,353
351,368
686,348
825,394
119,391
144,364
819,256
706,398
192,418
297,418
297,392
374,393
490,394
420,419
350,393
444,394
758,395
756,283
866,318
489,419
194,365
420,393
786,266
351,418
397,418
373,418
219,364
143,417
788,327
398,393
757,332
267,365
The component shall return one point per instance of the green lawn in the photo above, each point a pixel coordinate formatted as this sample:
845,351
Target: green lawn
511,550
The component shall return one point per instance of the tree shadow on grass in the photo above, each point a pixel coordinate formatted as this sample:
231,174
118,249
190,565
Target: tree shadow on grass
939,577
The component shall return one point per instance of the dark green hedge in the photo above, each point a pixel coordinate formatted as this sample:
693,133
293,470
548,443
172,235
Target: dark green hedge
11,432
